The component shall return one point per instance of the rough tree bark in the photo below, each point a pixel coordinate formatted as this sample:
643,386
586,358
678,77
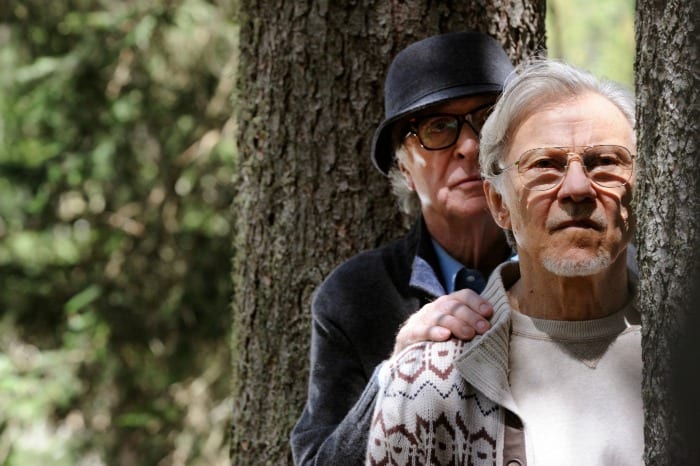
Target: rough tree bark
310,95
667,205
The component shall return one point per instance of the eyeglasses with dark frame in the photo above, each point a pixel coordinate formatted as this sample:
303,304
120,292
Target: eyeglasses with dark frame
438,131
542,169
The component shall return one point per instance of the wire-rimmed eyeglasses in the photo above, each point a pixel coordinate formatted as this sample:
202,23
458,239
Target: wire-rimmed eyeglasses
540,169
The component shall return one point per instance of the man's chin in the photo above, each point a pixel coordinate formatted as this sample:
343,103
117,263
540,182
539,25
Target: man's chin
469,205
578,264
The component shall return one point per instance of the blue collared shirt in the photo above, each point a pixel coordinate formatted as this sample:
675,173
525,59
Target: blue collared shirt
449,267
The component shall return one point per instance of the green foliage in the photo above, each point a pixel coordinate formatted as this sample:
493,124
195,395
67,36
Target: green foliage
117,161
597,35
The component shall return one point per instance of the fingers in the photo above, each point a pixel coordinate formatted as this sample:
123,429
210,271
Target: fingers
474,302
461,314
456,327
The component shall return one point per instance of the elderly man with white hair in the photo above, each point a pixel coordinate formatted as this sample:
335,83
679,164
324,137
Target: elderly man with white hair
557,379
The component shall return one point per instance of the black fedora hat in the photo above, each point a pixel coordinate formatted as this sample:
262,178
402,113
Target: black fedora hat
434,70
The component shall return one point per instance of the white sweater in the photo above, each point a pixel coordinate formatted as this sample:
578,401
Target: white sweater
577,387
443,403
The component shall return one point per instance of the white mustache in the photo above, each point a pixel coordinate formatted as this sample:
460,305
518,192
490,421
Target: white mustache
595,219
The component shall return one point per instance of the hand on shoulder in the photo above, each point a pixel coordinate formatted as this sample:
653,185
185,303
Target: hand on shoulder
462,314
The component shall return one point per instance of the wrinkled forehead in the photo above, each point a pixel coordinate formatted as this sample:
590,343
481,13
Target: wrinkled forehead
583,120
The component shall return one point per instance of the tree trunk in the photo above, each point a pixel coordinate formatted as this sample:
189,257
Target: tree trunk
310,95
667,205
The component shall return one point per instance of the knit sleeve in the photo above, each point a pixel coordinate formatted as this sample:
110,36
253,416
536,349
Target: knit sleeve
419,416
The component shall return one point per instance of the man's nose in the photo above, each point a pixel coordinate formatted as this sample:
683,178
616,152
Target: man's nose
576,184
467,145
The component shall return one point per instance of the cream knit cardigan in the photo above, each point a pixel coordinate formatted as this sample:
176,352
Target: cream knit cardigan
442,403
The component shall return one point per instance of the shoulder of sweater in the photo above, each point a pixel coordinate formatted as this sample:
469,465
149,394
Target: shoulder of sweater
435,357
423,377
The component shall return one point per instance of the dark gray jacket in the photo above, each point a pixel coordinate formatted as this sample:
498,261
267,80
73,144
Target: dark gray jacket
356,314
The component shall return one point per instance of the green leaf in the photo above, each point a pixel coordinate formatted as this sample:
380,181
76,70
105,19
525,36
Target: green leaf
83,299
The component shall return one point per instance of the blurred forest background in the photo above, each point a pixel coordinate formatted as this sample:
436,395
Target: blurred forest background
117,171
117,159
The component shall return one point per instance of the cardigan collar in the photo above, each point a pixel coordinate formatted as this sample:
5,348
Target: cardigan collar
484,361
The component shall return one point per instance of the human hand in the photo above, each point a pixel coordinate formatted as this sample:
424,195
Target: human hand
461,314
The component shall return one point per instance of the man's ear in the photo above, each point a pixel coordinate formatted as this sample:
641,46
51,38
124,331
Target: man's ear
497,206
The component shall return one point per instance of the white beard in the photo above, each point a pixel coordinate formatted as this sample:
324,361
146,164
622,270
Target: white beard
570,267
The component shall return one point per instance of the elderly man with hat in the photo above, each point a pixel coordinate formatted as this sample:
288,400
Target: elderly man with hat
438,93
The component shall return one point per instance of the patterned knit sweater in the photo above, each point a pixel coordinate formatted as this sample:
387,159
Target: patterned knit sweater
444,403
415,421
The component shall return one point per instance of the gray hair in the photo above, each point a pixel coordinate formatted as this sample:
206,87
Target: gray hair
533,84
406,198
